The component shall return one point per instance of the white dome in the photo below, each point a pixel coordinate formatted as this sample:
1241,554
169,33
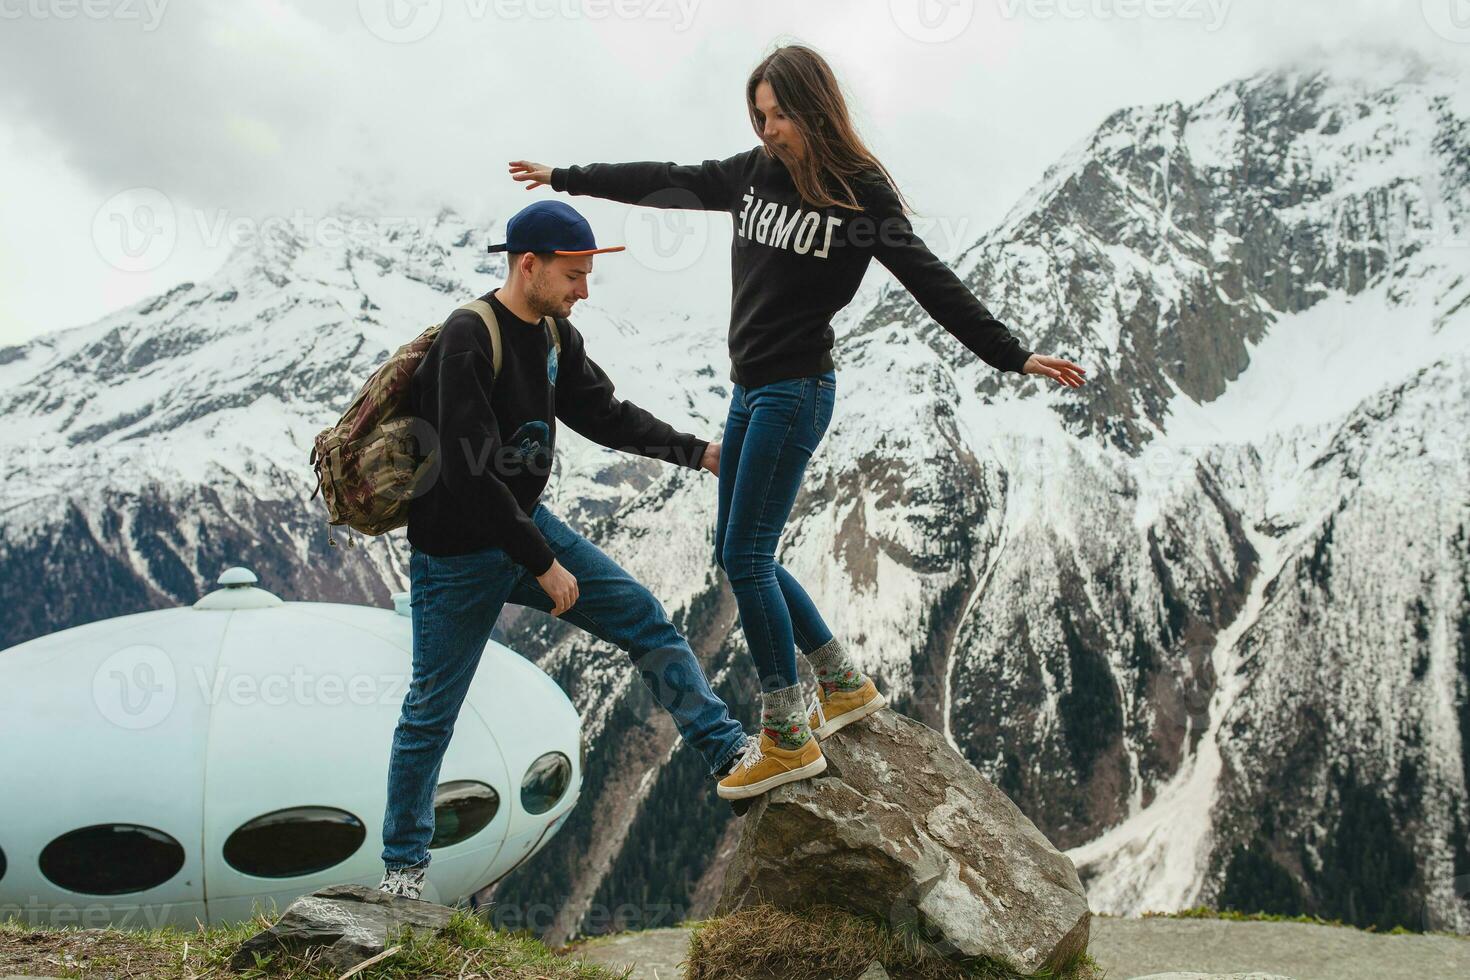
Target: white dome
193,721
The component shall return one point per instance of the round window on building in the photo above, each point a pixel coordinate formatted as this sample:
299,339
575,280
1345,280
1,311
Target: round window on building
111,859
296,841
462,809
546,782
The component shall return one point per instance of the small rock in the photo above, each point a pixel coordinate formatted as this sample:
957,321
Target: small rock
350,922
946,854
874,971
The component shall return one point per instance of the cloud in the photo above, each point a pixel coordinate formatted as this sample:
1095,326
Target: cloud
267,107
210,104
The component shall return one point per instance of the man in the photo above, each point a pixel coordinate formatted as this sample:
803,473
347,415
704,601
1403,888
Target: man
483,539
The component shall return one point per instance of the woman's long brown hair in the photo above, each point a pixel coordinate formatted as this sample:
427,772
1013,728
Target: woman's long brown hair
807,91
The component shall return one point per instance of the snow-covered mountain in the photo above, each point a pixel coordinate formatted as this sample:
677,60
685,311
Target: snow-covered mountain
1206,619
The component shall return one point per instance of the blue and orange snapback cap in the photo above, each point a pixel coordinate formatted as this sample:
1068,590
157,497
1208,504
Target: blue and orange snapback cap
550,226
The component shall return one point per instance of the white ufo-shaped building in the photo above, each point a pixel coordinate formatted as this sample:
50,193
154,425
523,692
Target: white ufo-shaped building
206,761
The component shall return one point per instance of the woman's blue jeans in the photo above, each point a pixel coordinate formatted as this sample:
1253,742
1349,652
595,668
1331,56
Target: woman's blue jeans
770,435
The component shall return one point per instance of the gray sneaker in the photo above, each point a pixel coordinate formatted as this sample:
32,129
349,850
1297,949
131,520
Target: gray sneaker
404,882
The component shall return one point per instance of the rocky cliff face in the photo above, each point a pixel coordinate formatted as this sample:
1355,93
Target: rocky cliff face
1206,619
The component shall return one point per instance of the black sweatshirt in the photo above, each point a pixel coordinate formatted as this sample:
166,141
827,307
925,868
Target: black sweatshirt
496,435
793,267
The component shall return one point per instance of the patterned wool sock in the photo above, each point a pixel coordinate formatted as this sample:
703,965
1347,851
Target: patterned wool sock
784,718
835,668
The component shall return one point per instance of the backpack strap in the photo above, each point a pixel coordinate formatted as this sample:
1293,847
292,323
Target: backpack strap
493,325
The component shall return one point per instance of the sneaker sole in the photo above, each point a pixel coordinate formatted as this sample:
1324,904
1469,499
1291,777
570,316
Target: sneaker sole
771,782
856,714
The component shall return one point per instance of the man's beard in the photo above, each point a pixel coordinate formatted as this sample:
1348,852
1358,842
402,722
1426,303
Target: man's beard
541,301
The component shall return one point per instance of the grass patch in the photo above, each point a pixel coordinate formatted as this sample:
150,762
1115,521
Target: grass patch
824,943
467,949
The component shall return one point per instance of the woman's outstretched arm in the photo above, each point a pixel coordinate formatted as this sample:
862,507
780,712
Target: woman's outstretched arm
947,299
708,186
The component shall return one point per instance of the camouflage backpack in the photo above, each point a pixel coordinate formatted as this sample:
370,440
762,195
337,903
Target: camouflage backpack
366,466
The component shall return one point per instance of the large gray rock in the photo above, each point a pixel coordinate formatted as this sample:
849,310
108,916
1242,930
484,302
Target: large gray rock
349,922
901,827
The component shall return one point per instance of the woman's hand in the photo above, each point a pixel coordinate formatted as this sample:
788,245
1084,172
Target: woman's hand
533,174
1060,371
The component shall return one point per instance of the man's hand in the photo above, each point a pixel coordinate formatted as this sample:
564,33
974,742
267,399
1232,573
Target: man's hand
711,458
534,175
1060,371
561,586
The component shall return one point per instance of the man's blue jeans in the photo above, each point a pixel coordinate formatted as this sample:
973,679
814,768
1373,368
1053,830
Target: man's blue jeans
455,602
770,435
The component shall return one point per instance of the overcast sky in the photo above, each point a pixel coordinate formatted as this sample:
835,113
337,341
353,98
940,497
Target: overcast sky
225,109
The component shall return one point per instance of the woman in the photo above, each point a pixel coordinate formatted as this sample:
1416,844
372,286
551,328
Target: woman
812,206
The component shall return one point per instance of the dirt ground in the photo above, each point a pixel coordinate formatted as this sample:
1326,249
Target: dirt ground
1131,948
